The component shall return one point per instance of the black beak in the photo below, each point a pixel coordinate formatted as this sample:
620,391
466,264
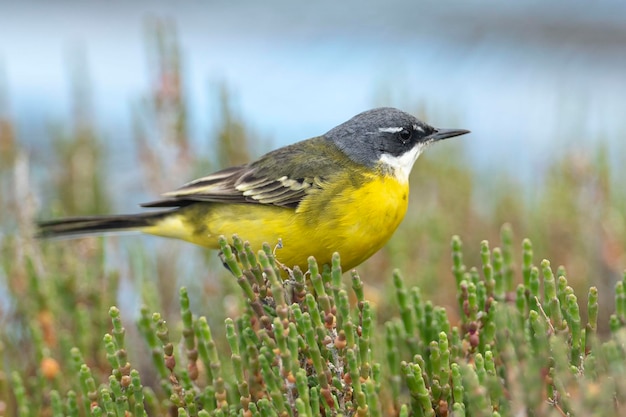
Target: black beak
441,134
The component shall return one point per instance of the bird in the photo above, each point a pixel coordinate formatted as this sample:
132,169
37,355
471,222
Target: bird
345,191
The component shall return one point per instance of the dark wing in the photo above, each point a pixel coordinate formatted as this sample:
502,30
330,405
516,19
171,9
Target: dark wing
280,178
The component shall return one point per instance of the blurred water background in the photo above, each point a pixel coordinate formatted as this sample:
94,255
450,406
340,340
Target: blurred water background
529,79
111,104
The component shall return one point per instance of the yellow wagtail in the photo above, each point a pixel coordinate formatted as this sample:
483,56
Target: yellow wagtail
345,191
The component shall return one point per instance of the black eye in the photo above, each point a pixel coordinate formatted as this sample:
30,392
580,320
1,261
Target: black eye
406,134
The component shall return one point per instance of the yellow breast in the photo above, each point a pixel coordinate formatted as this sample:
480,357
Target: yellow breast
358,220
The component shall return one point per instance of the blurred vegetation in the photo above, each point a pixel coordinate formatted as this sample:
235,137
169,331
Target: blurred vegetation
510,336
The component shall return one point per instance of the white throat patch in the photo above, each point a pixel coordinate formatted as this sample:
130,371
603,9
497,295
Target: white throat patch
402,165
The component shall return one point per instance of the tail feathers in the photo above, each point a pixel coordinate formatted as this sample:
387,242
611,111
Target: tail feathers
90,225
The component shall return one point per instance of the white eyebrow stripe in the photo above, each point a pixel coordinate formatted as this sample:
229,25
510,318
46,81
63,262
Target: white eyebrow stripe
390,129
418,128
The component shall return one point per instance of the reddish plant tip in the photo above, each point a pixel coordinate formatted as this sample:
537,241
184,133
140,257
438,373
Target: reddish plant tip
50,368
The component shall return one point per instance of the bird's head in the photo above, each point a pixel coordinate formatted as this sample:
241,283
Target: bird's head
387,137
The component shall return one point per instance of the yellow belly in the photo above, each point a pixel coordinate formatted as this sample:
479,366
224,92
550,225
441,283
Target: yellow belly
354,220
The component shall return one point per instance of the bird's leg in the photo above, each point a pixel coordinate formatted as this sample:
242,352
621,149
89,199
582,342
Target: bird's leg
282,266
